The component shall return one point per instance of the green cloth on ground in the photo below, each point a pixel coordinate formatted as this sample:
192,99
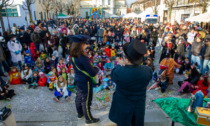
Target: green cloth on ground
175,109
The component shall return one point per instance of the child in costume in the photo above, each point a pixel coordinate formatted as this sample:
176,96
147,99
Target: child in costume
60,65
42,79
96,59
110,84
15,76
39,65
61,90
113,53
34,81
187,64
33,51
202,85
43,56
64,73
151,49
104,57
100,65
55,53
47,66
108,67
54,61
51,80
36,56
180,62
71,76
26,74
28,59
163,83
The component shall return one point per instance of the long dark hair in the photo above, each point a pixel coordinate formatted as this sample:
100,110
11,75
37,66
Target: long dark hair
76,50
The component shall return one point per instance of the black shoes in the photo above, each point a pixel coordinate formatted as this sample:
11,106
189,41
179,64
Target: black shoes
94,120
80,116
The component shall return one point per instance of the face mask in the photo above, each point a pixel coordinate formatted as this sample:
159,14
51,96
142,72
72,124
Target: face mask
14,39
17,32
53,33
64,35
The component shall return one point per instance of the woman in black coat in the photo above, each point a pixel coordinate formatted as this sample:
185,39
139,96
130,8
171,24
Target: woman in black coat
84,71
128,105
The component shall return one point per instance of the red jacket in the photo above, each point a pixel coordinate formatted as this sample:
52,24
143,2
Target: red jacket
108,52
42,81
201,87
33,49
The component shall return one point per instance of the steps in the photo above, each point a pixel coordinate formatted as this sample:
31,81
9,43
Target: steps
152,118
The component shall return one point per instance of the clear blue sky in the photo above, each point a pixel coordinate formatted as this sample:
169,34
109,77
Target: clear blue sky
130,1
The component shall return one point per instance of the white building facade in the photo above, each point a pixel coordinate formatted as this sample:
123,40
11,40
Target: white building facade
17,14
180,11
110,7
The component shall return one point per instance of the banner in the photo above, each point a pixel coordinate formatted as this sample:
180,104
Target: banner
96,13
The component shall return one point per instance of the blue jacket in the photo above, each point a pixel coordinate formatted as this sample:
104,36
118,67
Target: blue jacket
83,63
130,95
28,60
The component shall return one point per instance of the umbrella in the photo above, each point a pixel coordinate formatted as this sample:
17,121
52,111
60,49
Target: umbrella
61,15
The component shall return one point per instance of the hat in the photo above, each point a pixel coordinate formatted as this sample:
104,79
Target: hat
22,28
12,35
27,52
135,51
80,38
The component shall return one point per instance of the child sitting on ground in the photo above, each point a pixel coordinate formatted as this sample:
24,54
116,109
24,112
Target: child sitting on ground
47,65
61,90
42,80
34,81
15,76
26,75
202,85
110,84
61,65
39,65
51,80
163,83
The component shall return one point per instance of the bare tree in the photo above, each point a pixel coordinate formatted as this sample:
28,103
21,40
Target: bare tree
203,3
47,7
69,7
27,6
59,6
4,3
76,7
170,4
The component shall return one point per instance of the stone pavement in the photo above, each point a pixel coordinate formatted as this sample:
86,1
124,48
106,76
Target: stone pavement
35,107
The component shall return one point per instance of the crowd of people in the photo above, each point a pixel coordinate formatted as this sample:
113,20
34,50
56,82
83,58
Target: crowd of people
38,55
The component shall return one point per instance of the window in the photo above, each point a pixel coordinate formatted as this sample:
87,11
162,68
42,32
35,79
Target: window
11,12
45,15
102,2
42,1
39,1
109,2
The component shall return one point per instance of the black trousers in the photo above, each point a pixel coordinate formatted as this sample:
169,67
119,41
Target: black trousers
83,100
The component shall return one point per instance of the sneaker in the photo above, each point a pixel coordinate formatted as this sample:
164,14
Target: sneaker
94,120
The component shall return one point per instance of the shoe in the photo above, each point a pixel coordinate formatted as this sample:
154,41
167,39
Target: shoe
80,117
94,120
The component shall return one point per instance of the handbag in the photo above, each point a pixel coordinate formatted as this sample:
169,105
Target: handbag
84,72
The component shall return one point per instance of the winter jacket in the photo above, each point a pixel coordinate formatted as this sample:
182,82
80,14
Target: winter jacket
205,52
196,48
100,32
36,38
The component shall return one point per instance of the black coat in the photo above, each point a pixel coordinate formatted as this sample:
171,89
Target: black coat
130,95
